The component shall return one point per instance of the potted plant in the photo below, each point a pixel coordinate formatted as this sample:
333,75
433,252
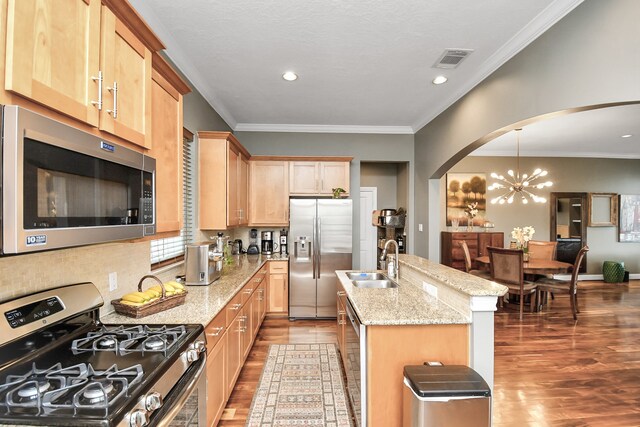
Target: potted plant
337,192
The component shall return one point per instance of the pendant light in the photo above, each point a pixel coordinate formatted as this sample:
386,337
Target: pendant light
519,185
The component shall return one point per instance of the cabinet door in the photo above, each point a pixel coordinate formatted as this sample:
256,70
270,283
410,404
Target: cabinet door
166,148
255,312
341,322
269,193
262,300
243,191
278,293
216,382
303,178
333,175
234,352
212,190
247,328
233,160
52,52
126,63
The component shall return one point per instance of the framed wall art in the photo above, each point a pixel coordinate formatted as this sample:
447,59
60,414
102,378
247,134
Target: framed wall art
629,223
464,189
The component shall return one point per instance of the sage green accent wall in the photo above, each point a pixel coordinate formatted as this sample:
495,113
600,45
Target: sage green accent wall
362,147
569,66
620,176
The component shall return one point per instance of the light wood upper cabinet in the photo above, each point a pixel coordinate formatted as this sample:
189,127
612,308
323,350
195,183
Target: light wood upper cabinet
333,175
318,178
223,181
126,94
166,145
269,193
52,52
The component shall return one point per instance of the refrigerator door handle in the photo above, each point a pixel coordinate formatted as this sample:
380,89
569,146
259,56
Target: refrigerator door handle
318,239
312,248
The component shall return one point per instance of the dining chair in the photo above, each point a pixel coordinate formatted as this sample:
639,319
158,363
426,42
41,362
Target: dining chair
569,287
467,263
507,269
539,249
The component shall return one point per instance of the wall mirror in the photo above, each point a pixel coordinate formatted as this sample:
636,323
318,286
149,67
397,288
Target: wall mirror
603,209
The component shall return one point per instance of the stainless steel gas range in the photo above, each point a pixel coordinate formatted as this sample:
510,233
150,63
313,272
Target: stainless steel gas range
60,366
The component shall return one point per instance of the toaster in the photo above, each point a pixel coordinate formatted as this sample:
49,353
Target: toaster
202,265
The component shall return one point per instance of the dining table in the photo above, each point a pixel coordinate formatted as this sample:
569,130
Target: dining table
534,266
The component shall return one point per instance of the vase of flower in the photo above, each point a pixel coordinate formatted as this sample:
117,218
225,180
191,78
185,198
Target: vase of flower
471,211
522,237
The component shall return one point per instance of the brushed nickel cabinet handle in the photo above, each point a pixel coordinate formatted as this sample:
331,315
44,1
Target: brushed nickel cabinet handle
114,89
99,79
217,332
235,307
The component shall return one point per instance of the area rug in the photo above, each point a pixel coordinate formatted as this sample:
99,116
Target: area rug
300,385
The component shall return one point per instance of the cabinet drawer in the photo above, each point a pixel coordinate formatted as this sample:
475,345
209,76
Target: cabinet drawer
278,267
233,308
457,254
251,286
465,236
215,330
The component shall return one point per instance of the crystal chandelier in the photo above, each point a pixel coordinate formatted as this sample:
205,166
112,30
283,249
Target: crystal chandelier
519,185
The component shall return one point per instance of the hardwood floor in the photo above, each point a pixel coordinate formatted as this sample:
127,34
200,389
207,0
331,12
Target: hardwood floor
549,370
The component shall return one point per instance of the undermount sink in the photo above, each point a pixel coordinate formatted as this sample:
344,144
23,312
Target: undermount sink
375,284
366,276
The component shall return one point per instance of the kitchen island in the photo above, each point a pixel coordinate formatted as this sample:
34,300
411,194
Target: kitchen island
435,313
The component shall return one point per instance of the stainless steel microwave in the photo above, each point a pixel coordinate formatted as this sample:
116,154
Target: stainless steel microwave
63,187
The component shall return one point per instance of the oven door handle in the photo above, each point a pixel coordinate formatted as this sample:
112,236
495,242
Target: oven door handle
185,394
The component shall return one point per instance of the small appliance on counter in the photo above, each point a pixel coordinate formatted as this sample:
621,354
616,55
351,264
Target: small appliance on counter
236,247
283,242
253,242
267,243
203,263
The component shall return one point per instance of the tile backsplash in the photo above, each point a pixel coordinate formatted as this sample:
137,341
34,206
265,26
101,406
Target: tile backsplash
25,274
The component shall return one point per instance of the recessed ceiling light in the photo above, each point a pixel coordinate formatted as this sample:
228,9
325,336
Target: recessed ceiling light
627,135
290,76
439,80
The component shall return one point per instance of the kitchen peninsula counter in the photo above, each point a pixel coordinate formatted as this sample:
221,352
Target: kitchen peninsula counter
203,303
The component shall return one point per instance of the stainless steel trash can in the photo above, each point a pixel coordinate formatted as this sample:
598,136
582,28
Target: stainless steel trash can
445,396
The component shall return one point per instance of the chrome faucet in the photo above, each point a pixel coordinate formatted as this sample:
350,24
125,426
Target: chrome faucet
391,271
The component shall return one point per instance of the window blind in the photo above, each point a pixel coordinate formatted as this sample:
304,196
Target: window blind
173,247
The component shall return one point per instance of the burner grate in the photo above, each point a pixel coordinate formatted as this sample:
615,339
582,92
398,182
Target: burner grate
128,339
75,390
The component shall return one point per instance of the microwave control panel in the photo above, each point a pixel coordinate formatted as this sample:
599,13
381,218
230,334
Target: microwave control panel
147,198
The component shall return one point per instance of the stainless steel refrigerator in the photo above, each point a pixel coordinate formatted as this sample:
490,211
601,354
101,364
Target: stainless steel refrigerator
320,238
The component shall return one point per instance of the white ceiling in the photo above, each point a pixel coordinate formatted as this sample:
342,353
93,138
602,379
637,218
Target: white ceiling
594,133
364,66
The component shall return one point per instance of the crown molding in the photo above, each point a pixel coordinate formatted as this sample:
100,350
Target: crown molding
175,52
541,23
257,127
576,154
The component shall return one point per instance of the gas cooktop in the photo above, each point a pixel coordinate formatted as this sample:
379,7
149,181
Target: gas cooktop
79,371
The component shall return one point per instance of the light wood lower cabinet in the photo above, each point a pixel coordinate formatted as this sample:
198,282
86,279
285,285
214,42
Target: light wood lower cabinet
278,287
216,384
342,324
230,336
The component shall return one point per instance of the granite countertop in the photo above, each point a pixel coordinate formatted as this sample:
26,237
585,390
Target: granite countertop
203,303
404,305
456,279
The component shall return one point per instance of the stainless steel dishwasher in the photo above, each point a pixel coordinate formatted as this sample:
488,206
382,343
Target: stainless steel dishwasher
355,367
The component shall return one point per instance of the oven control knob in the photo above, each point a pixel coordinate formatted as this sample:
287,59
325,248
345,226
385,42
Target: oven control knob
192,355
153,401
138,418
200,346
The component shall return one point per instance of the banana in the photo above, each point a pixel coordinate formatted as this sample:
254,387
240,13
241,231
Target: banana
169,287
152,293
176,285
137,297
135,304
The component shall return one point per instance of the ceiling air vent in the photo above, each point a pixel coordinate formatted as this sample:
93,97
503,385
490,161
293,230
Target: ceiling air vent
451,58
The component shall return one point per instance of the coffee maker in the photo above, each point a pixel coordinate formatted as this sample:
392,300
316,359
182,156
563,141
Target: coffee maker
283,242
267,242
253,242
